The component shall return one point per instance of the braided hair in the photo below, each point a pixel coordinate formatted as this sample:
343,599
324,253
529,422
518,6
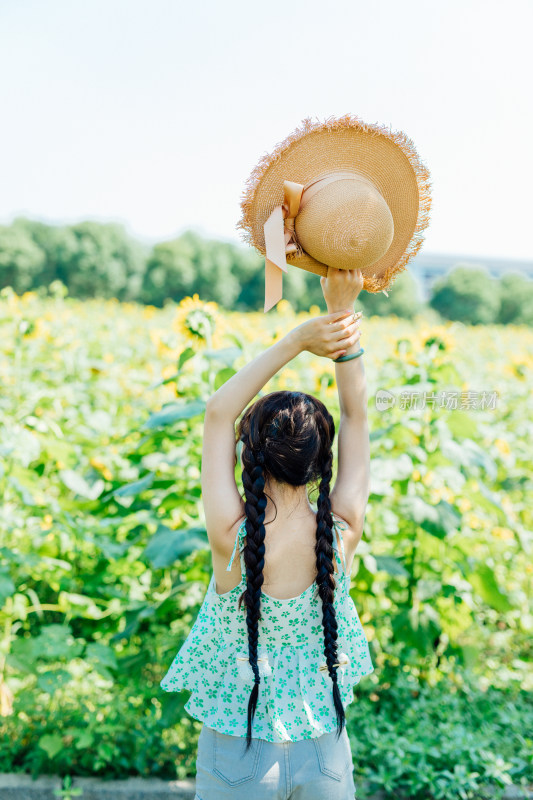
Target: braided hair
288,436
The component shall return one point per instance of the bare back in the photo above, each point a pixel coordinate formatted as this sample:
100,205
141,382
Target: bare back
290,559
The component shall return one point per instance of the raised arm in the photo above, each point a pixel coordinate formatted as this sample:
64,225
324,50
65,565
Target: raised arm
349,496
325,336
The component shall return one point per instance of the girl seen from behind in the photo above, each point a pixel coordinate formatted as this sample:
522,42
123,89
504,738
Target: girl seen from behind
276,650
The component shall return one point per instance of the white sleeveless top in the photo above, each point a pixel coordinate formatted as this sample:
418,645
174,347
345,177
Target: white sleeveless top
295,693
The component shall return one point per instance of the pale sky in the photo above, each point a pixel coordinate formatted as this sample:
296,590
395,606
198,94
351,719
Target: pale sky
154,112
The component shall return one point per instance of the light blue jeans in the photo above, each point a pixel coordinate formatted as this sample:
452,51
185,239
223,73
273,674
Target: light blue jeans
309,769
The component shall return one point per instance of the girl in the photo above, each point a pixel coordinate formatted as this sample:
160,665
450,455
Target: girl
272,672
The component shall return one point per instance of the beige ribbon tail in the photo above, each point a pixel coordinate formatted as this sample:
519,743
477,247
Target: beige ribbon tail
273,284
275,261
279,240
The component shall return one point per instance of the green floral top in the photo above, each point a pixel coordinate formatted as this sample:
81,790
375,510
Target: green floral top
295,693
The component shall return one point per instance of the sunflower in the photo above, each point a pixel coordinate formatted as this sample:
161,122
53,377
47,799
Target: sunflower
194,319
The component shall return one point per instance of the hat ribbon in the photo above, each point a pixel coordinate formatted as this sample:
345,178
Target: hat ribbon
280,238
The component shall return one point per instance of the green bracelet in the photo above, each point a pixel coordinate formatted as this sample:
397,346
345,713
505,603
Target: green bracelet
353,355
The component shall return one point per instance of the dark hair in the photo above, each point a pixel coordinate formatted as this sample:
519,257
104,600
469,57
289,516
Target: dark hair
289,436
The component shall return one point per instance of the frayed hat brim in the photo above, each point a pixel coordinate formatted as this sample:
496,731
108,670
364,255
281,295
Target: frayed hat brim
389,158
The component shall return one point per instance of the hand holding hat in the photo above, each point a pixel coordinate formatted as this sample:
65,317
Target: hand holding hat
341,288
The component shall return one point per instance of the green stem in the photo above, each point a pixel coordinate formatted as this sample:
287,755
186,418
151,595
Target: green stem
412,580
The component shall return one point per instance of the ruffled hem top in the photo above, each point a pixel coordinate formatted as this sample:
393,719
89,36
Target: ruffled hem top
295,693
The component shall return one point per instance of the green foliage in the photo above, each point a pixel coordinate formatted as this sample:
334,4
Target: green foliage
467,294
403,298
104,563
516,299
21,260
91,259
106,262
445,741
192,264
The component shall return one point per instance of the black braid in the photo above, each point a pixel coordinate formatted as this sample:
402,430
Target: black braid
326,581
287,436
254,559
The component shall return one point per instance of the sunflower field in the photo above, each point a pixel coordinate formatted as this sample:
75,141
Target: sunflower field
104,559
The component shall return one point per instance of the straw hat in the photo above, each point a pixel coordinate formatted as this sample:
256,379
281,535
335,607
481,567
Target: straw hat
340,193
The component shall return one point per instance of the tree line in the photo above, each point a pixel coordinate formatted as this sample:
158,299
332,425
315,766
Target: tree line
94,259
